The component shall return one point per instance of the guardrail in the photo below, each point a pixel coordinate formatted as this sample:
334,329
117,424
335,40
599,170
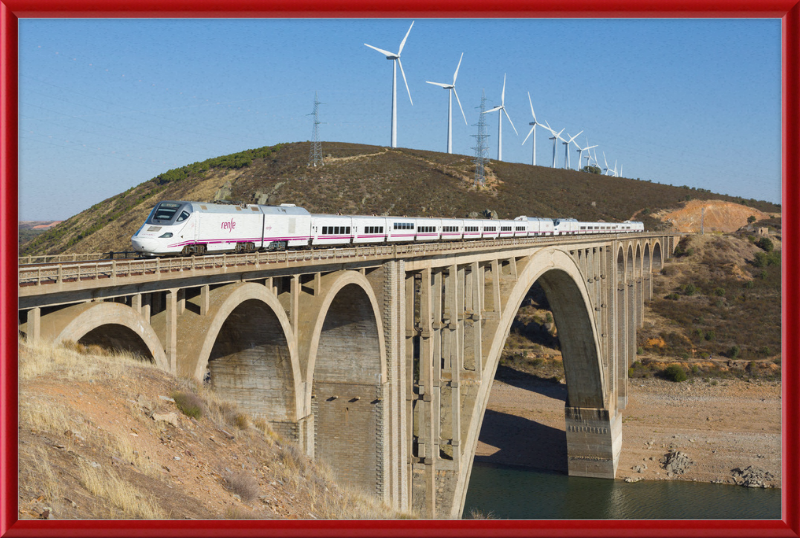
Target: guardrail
91,256
57,273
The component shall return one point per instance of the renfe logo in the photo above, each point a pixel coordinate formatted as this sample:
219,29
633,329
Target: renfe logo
228,225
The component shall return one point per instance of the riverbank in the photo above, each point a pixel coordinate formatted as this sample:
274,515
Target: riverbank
732,424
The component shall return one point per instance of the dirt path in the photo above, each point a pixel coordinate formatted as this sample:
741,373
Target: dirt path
734,424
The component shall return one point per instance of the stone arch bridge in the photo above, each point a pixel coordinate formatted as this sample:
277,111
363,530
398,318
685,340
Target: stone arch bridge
378,360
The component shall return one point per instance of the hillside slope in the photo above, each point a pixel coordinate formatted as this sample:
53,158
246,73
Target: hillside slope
361,179
110,437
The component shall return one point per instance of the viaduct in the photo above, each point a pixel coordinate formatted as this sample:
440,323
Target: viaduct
378,360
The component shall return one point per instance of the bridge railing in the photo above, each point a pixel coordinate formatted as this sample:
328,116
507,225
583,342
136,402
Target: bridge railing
73,269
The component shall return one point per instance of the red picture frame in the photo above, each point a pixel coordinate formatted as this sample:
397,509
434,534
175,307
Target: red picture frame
12,10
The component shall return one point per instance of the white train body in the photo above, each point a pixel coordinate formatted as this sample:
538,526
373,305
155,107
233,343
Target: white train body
184,228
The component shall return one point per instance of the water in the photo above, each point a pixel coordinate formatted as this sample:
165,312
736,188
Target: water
519,493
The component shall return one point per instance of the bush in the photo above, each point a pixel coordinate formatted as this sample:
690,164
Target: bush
675,373
639,350
710,335
765,244
189,404
751,219
720,292
689,289
695,369
243,485
734,352
672,297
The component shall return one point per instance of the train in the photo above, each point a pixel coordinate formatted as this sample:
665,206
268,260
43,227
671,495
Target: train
177,228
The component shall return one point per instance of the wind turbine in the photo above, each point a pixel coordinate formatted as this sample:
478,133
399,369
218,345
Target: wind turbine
566,150
620,170
607,168
502,109
451,90
396,60
533,130
555,138
580,150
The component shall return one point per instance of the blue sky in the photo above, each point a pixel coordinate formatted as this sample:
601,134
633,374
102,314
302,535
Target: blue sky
107,104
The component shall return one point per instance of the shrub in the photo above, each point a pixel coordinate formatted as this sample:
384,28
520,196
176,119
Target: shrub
734,352
749,284
189,404
765,244
710,335
689,289
762,275
751,219
695,369
720,292
675,373
672,297
766,351
639,350
243,485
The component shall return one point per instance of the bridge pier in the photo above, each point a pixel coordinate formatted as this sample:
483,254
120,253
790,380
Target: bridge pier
594,441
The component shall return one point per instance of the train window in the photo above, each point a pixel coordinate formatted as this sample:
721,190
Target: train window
165,211
183,217
324,230
348,230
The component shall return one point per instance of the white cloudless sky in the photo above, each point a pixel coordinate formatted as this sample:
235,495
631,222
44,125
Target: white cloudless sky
107,104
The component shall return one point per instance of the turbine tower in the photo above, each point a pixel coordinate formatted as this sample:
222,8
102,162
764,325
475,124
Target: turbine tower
608,170
534,123
451,90
502,109
566,143
396,60
555,138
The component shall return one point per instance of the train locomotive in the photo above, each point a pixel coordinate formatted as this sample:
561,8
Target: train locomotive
176,228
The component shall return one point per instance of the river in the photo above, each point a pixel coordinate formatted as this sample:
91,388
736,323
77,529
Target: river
520,493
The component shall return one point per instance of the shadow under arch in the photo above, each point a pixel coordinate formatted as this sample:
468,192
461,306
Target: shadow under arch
347,374
110,325
249,354
569,298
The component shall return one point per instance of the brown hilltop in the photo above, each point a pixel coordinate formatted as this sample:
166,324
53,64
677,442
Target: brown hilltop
364,179
719,216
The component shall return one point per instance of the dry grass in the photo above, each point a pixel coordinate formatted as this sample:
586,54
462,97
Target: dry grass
68,361
109,486
49,482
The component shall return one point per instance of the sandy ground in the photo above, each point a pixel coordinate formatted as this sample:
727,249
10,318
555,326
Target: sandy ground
734,424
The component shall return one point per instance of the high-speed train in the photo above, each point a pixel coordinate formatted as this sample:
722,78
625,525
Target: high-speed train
186,228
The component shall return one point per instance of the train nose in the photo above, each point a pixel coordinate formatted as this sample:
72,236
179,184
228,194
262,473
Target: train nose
143,245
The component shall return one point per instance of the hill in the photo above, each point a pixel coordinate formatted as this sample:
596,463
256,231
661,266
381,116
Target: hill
107,436
362,179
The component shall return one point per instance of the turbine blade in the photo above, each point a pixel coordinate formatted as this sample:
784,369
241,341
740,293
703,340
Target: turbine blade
529,135
437,84
457,68
493,109
503,97
509,120
403,43
532,112
576,136
404,77
459,106
384,52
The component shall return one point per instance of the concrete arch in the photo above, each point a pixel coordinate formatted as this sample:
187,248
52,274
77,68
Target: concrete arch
569,298
658,261
332,289
250,351
110,325
347,374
